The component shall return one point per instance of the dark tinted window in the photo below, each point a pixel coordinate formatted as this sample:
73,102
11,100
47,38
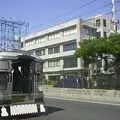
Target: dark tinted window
104,23
56,49
98,23
105,34
70,62
69,46
98,34
40,52
50,50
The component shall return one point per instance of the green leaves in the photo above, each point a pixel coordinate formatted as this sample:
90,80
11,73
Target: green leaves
86,49
89,49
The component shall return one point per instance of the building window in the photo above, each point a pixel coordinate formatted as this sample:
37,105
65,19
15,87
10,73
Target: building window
57,35
29,43
104,23
31,52
50,63
40,52
70,62
42,39
21,44
70,31
55,49
50,37
39,40
44,64
105,34
53,63
69,46
98,34
88,32
54,35
98,23
50,50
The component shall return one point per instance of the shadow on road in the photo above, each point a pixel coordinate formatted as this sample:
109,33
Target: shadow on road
49,110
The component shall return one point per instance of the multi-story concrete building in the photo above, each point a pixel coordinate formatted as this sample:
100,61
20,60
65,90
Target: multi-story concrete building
56,46
103,24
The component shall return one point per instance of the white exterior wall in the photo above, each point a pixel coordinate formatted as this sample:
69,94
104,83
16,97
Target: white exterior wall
45,43
109,26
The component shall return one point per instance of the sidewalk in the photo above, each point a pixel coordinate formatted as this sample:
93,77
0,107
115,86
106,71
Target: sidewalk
110,97
114,103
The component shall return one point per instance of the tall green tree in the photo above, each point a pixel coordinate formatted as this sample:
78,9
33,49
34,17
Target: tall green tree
103,48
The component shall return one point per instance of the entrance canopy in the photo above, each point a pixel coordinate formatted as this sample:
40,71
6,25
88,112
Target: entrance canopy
18,56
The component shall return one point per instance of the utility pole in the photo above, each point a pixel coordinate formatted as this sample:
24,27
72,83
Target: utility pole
114,21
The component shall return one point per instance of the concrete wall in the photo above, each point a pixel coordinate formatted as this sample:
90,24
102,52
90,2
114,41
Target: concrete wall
91,94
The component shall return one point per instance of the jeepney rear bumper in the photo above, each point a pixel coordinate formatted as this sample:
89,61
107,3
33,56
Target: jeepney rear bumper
22,110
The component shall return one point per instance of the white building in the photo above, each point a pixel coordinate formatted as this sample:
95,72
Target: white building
103,24
56,46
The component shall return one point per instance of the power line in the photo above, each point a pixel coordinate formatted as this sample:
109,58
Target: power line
104,6
73,10
96,10
118,1
107,13
82,6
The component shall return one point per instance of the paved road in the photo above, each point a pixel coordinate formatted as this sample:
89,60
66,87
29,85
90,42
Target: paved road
70,110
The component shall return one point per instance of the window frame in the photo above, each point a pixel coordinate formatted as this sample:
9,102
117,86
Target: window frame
71,44
98,23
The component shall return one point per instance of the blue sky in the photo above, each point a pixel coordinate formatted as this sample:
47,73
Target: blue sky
41,13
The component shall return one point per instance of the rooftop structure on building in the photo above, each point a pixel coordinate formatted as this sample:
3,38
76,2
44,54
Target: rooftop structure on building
103,24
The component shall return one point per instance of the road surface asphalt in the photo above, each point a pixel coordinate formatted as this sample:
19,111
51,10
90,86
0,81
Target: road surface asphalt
73,110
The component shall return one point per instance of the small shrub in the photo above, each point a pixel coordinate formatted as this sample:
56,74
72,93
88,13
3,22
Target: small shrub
47,82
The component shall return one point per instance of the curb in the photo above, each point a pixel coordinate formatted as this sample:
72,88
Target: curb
112,103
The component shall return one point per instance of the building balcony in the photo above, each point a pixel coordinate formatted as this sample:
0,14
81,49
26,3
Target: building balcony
58,55
60,69
52,69
47,42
